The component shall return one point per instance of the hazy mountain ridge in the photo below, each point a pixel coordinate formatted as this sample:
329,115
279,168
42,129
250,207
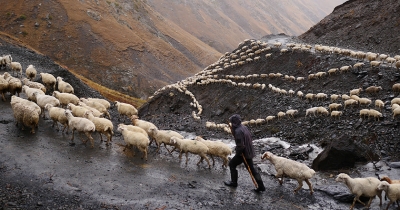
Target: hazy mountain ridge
135,47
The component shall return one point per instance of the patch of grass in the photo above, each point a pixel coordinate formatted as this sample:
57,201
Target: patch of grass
8,14
24,33
22,17
110,94
299,64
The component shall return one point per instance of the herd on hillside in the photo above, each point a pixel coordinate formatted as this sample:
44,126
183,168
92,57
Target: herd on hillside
88,115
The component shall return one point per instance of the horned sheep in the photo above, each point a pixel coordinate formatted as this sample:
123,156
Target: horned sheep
290,168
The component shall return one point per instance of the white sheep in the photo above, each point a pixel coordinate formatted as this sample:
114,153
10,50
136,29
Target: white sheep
364,112
81,125
25,114
77,111
66,98
345,97
364,101
102,101
136,139
336,114
290,168
16,67
300,94
291,112
64,87
28,103
333,71
102,125
125,109
374,113
310,111
321,96
97,105
310,96
322,110
145,125
163,137
192,146
361,187
269,118
281,114
14,84
358,65
42,100
30,72
216,148
375,64
380,104
396,111
395,101
49,81
355,91
334,97
57,115
36,85
94,111
334,106
350,102
3,87
345,68
392,191
135,128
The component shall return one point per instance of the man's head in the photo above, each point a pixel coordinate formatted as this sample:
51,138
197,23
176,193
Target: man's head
235,120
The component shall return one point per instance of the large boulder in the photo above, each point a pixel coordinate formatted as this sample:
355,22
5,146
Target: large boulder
341,153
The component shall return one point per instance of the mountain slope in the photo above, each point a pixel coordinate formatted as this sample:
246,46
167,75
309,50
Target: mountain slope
134,47
360,24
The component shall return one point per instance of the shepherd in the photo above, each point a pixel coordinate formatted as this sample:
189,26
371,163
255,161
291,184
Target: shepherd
244,154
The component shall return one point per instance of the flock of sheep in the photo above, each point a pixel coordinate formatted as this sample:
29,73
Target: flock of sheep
251,51
87,114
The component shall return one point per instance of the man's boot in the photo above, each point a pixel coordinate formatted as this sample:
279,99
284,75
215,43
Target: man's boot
260,184
234,178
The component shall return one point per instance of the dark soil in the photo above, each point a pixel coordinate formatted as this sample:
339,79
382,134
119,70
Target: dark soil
360,25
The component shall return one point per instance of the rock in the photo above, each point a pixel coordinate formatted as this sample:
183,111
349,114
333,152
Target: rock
394,165
340,153
37,24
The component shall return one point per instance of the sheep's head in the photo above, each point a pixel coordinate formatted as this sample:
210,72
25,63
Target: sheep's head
342,177
121,127
266,155
384,185
199,138
134,117
172,140
387,179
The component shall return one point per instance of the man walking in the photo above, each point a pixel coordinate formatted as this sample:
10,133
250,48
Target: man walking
244,152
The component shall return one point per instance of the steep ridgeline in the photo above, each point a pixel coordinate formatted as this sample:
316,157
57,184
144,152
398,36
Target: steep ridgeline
260,81
360,24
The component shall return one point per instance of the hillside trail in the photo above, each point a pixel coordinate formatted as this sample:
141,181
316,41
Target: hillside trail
42,170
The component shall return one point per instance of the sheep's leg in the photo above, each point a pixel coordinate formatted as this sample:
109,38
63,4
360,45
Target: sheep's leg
379,194
167,148
208,162
73,133
212,158
4,98
357,198
369,201
33,129
109,138
186,158
300,186
201,160
158,146
90,138
310,186
101,138
225,162
144,150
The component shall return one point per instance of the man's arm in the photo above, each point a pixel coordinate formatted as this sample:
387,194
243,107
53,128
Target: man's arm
239,140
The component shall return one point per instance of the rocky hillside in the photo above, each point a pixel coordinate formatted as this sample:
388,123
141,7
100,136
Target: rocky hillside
360,24
171,108
137,46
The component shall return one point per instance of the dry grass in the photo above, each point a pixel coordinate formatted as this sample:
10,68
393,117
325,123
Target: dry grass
109,94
